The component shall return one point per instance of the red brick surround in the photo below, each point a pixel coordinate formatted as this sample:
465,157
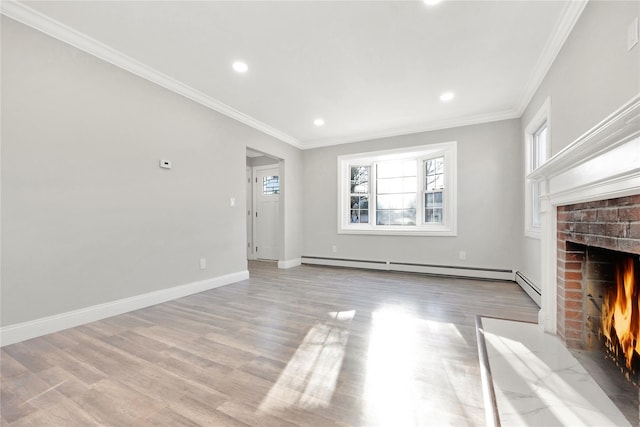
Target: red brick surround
610,224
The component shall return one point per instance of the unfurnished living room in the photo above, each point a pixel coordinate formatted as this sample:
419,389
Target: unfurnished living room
320,213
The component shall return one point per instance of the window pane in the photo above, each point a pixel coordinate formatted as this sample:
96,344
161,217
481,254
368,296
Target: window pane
382,217
539,149
438,198
409,185
433,215
410,217
396,188
359,196
391,169
390,185
270,185
409,167
359,179
383,202
433,200
434,186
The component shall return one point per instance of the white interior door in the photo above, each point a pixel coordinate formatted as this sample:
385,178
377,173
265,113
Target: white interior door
266,207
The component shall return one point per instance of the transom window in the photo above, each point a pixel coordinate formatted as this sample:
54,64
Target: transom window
408,191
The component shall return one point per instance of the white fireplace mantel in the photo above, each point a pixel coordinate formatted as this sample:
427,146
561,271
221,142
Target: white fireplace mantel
604,163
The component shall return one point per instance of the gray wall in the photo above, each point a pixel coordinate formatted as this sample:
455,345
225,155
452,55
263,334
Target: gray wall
261,161
489,209
592,76
88,217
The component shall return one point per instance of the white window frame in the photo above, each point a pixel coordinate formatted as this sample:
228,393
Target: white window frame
541,118
448,227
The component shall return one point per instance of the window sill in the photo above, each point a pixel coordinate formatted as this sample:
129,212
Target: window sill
534,233
442,231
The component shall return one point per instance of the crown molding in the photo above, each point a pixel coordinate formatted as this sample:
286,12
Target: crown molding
432,126
559,36
34,19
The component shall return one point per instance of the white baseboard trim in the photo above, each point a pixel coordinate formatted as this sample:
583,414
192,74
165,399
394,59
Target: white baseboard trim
529,287
34,328
289,263
441,270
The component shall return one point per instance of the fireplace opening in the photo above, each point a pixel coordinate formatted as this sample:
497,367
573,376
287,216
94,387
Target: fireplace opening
620,316
612,307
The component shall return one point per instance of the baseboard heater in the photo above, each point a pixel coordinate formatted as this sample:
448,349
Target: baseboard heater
529,287
440,270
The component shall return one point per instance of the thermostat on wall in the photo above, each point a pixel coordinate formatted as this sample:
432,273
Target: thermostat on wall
165,164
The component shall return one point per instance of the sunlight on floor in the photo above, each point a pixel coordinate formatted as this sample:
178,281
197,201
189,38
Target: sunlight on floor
390,388
309,379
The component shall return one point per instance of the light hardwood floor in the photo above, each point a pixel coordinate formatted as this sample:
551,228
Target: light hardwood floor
310,346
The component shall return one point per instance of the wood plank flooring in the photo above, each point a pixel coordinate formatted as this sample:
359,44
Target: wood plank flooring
309,346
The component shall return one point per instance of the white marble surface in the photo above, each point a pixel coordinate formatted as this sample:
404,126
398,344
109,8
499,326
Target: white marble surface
538,382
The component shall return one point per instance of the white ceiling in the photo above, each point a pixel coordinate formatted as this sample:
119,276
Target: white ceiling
369,68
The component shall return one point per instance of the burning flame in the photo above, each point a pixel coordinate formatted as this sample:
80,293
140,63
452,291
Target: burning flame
621,312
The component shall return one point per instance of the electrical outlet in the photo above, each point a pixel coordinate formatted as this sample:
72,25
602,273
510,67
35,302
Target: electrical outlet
463,255
232,202
203,263
334,249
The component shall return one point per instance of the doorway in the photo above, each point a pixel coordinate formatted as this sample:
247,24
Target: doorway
264,190
266,207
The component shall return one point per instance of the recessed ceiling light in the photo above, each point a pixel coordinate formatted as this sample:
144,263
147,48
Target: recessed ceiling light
318,122
431,2
447,96
240,67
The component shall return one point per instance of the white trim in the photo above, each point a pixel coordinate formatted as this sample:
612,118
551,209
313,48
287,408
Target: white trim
28,16
41,22
479,273
529,287
616,129
34,328
603,163
448,228
289,263
432,126
568,20
542,116
256,189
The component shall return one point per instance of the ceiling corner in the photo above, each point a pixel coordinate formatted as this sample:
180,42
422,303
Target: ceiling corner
556,40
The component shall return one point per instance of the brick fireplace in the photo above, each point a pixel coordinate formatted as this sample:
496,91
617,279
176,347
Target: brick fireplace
589,237
590,199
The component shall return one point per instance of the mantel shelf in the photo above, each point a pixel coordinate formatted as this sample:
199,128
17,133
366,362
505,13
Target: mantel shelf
620,127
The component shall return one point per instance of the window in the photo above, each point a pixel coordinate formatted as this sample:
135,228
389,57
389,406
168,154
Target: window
405,192
270,185
396,192
536,149
359,194
434,173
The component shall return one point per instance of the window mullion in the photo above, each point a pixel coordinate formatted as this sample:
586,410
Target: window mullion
373,199
422,176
